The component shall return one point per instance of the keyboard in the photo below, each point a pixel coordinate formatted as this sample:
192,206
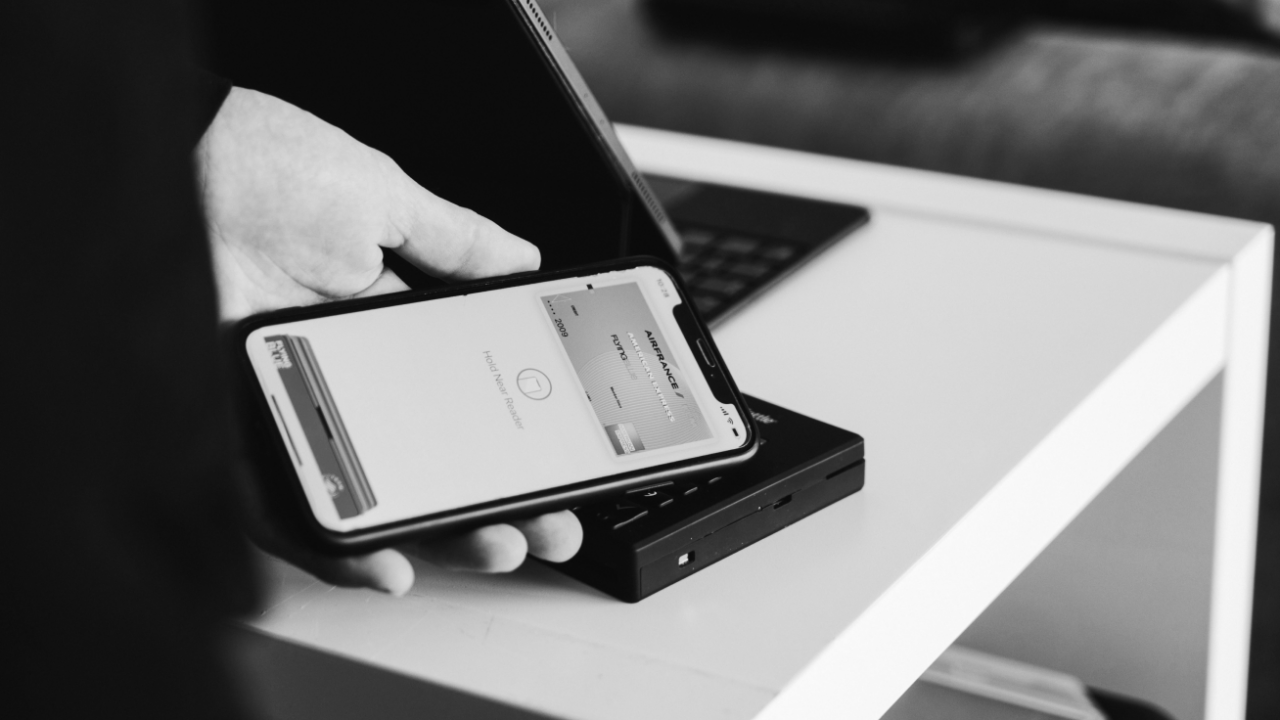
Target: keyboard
738,242
722,269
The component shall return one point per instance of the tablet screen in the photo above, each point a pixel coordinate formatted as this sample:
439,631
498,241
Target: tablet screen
457,93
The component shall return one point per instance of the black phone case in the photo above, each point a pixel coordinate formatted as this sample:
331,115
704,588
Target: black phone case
282,490
640,542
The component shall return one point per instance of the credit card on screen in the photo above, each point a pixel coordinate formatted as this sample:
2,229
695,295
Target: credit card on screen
625,366
339,466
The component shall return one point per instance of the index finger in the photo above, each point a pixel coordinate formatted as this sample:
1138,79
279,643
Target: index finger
454,243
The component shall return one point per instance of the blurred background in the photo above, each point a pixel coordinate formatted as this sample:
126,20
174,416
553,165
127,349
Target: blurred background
1167,102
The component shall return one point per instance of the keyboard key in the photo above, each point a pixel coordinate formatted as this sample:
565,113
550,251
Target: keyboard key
750,269
720,286
709,263
696,239
737,244
706,304
653,499
778,252
690,490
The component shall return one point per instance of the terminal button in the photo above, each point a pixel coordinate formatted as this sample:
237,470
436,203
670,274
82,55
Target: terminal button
620,514
654,499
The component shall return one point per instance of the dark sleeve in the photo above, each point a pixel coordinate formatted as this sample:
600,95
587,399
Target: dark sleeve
208,91
193,96
125,554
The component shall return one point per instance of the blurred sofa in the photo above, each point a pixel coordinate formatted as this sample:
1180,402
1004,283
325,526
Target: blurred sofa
1144,116
1180,113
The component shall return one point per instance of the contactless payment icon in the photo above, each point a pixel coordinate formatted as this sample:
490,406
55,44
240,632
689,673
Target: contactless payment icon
534,384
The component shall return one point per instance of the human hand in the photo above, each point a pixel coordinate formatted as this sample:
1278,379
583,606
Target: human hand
298,213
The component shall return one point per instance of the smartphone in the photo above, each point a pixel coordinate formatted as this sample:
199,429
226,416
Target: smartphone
428,412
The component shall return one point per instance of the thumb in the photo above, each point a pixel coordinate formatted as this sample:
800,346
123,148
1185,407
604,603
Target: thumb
454,243
386,570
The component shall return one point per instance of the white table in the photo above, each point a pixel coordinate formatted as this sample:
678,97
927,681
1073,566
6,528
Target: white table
1006,352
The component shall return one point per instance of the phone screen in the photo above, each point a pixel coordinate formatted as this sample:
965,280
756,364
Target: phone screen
403,411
